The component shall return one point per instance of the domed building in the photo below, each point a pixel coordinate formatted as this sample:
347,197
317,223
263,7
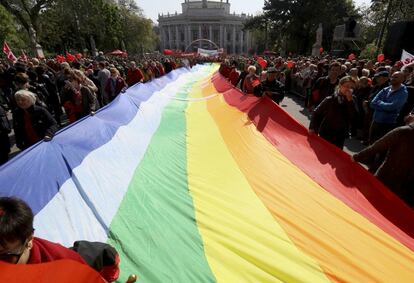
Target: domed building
210,20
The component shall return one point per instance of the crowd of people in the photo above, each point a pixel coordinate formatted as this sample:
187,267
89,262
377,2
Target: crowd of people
371,101
44,95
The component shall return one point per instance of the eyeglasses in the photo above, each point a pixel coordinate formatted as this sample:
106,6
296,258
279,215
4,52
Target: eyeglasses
14,257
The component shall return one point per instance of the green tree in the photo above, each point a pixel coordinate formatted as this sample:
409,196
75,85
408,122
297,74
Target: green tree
296,21
27,12
9,31
70,24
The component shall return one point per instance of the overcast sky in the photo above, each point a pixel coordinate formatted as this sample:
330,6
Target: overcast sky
153,7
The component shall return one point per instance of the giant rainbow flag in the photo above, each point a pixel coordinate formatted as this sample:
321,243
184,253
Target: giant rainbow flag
192,181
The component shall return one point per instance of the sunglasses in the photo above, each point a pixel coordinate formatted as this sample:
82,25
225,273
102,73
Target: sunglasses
14,257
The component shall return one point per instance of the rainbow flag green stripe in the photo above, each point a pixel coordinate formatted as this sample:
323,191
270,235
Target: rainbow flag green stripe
155,228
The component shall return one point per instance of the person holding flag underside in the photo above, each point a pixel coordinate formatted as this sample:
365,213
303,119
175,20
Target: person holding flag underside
332,118
251,81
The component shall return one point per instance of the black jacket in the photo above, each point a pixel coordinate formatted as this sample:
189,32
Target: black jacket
42,122
333,116
5,128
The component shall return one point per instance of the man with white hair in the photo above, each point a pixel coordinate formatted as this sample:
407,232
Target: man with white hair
31,123
251,81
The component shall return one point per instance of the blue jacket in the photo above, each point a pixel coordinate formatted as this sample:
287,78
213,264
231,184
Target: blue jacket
387,104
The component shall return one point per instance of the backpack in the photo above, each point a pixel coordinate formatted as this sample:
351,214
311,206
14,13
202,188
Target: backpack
101,257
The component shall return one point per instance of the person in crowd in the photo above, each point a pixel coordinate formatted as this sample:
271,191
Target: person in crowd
225,68
332,118
103,76
271,87
251,81
61,77
325,86
31,123
146,71
409,104
380,81
154,70
409,75
19,245
160,68
22,82
114,85
354,74
17,242
387,105
234,74
243,74
7,73
370,66
53,101
134,74
397,168
87,82
167,66
88,90
365,73
101,57
78,99
5,129
361,94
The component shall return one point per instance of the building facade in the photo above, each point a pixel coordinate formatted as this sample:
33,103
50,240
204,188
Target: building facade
209,20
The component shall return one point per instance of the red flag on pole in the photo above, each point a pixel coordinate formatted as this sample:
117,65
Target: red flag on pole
24,57
69,57
9,53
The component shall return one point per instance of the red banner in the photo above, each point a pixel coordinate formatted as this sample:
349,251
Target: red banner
9,53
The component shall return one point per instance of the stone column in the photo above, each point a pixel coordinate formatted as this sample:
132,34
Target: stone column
234,39
177,38
188,30
221,36
161,38
241,42
210,35
169,37
225,39
248,45
199,35
184,27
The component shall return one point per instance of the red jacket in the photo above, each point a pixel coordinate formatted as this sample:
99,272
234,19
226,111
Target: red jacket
45,251
234,76
134,76
250,82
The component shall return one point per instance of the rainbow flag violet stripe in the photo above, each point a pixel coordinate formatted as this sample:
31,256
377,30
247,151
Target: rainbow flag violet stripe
192,181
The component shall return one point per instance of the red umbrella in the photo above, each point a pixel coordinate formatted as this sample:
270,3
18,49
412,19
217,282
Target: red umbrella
168,52
380,57
117,52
